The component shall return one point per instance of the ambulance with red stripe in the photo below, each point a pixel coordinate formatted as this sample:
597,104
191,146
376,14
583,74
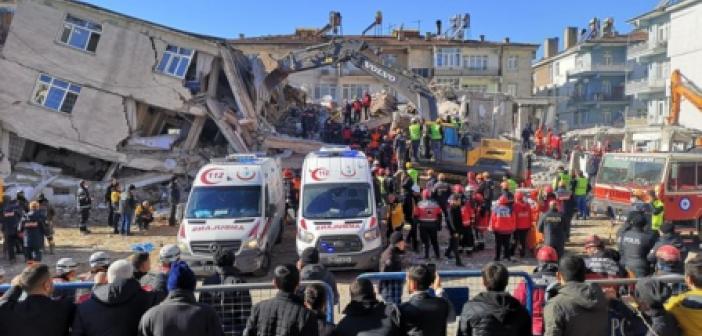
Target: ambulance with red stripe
337,209
235,203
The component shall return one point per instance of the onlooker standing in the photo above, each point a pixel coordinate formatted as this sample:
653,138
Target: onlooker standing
37,314
180,314
634,246
391,261
366,316
233,308
127,205
117,215
108,200
494,312
173,199
347,112
316,301
551,225
685,307
114,308
578,308
285,314
425,313
157,281
32,227
366,102
650,295
84,204
11,216
311,269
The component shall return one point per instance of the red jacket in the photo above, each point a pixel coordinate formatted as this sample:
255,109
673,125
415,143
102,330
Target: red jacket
468,214
522,213
356,106
555,141
366,100
502,220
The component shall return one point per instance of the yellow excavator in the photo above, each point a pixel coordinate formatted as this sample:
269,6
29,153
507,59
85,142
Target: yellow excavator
681,87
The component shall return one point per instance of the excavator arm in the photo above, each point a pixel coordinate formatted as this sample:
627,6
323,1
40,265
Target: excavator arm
406,83
681,87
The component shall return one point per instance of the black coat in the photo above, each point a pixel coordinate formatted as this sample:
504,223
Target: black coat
494,314
662,322
37,315
33,226
156,283
552,225
283,315
369,318
441,192
234,307
317,272
180,315
425,315
113,309
11,216
668,239
634,246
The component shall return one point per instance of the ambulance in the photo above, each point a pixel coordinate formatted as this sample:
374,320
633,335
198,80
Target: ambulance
235,203
337,209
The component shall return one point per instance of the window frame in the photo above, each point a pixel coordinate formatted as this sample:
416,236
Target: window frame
513,63
172,54
675,169
73,26
70,88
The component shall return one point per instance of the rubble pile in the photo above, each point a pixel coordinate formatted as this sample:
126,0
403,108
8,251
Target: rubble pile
383,104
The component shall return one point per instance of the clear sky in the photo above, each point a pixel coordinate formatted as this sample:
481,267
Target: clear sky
521,20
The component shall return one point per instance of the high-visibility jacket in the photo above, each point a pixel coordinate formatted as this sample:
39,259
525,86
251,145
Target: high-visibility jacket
658,212
581,186
522,214
397,216
415,132
414,174
435,131
562,177
502,220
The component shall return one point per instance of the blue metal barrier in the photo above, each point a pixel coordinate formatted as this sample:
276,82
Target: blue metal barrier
401,276
59,286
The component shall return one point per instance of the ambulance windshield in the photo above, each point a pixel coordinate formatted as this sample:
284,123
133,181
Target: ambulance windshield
337,200
224,202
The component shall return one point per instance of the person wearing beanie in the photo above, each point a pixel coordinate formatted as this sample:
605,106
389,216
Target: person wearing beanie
180,314
285,314
650,295
365,315
634,246
311,269
391,261
233,320
668,236
116,307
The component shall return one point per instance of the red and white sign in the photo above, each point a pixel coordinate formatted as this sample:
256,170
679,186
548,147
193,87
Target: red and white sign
319,174
348,171
213,176
246,174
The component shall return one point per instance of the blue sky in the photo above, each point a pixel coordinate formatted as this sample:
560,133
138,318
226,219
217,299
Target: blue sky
521,20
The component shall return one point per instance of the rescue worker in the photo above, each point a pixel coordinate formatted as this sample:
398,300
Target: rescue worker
556,145
144,215
487,189
539,136
347,135
504,186
471,181
32,228
526,137
413,173
108,200
385,152
561,176
634,245
415,134
98,262
395,215
441,192
290,202
545,197
552,227
502,223
582,187
399,146
407,194
435,134
430,179
454,223
522,214
668,261
347,113
22,201
469,218
566,204
543,276
375,138
382,184
511,183
11,217
426,138
48,212
668,236
357,107
366,103
658,209
84,205
428,215
173,200
547,140
66,271
114,198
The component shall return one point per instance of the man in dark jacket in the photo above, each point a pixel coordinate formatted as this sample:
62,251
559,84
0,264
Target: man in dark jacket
634,246
180,314
114,308
173,199
668,237
11,216
425,313
285,314
391,261
366,316
440,192
599,262
315,299
311,269
233,307
494,312
32,227
650,295
399,145
551,224
576,308
84,204
37,314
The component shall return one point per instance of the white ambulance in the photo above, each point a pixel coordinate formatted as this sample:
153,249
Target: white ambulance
337,212
235,203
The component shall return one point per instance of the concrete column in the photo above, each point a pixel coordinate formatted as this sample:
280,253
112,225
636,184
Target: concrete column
213,80
194,133
131,112
5,167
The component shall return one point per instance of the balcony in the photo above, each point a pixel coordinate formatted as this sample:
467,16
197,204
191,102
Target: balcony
599,69
601,99
465,72
645,86
636,122
646,49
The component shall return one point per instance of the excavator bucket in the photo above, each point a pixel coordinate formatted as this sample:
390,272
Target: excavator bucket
275,74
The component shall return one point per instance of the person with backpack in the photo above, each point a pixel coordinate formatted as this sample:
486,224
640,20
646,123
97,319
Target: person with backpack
543,276
232,307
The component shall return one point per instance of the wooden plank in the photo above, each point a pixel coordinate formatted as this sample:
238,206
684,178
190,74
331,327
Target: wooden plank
231,65
216,111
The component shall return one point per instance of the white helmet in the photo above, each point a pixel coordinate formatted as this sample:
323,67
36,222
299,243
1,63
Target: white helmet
99,259
66,265
169,253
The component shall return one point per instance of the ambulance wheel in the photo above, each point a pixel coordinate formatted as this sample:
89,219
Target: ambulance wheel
264,266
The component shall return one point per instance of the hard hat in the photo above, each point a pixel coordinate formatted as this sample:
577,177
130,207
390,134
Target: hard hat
169,253
519,195
288,173
547,253
66,265
668,253
408,165
99,259
458,189
503,200
593,241
548,189
426,194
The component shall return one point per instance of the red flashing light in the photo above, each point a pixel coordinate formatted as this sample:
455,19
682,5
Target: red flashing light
373,223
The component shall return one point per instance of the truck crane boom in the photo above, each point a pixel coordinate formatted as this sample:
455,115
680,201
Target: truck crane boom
356,52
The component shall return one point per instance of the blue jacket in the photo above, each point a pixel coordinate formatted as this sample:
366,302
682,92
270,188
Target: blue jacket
33,228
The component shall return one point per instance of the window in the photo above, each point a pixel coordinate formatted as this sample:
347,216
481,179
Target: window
475,88
606,88
683,177
224,202
352,91
80,34
323,90
55,94
513,63
447,58
332,201
512,90
475,62
557,69
450,82
424,72
631,171
607,58
175,61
